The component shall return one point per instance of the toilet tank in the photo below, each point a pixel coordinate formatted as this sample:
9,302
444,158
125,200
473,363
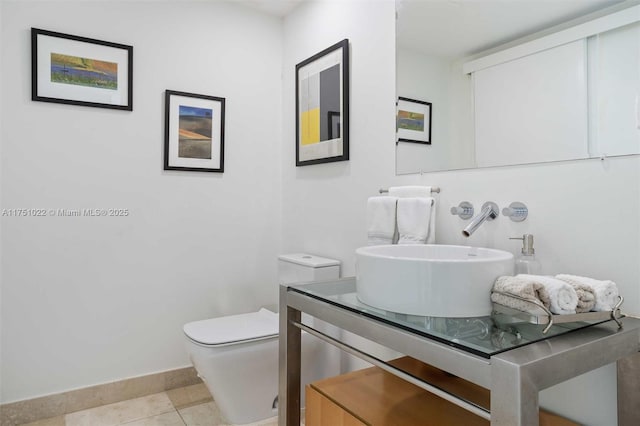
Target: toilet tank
303,267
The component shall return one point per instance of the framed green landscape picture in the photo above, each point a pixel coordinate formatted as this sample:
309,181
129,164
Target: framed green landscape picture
82,71
414,121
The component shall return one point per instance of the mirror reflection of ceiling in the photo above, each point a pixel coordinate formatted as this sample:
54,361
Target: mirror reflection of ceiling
461,28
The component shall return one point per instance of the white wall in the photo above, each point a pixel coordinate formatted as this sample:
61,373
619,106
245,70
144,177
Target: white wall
323,205
90,300
1,121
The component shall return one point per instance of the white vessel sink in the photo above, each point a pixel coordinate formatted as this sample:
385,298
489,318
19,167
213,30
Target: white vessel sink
430,280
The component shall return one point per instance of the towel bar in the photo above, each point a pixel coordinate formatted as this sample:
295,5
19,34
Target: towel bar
435,189
389,368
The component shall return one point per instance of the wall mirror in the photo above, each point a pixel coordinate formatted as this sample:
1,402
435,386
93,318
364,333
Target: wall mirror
579,100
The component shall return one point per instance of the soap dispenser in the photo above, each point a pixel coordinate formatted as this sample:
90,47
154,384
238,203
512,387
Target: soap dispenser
527,263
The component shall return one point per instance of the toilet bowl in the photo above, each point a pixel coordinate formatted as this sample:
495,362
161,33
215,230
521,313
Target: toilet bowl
237,356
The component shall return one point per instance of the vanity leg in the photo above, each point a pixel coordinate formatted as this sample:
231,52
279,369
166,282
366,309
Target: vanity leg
514,399
629,390
289,364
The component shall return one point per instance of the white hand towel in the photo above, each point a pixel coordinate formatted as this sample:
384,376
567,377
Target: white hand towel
410,191
606,292
563,298
414,220
524,288
381,220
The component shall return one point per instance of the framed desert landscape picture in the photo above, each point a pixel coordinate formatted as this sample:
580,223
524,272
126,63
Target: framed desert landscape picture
194,132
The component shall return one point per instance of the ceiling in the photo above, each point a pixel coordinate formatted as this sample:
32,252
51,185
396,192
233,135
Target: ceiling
460,28
272,7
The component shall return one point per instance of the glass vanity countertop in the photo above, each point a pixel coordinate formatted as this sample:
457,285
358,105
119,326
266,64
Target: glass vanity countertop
482,336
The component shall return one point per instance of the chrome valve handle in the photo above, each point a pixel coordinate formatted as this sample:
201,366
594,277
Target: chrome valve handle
464,210
516,211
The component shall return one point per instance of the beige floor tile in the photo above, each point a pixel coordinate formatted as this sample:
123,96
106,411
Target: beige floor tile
209,415
272,421
189,396
168,419
206,414
122,412
53,421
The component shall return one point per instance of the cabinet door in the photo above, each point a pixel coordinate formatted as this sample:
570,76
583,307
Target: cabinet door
533,109
321,411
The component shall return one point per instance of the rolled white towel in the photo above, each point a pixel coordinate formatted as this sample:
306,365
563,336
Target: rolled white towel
586,298
606,292
586,295
524,288
563,298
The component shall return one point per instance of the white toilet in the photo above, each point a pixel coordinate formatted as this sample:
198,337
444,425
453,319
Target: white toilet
237,356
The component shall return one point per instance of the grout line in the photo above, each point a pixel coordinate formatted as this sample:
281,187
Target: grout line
149,417
124,402
181,418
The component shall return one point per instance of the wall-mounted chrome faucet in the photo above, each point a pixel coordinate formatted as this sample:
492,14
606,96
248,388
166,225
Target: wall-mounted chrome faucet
489,212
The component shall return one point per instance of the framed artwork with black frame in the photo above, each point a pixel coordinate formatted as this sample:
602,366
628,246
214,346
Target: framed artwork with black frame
322,106
194,132
414,121
76,70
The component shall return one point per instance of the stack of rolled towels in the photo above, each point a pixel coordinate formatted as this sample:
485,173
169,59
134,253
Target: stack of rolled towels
562,294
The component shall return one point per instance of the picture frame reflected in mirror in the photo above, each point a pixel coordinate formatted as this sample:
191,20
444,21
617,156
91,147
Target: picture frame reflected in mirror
413,120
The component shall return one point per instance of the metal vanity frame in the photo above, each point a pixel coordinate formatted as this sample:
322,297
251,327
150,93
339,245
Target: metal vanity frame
516,375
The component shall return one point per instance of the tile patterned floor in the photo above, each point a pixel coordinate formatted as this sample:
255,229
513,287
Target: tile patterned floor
188,406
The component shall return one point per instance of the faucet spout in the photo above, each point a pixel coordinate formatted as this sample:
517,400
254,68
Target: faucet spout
489,212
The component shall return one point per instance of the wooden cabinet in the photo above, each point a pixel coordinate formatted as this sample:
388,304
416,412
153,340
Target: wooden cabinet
375,397
322,411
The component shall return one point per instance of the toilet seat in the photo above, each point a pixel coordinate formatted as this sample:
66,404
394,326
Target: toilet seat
234,329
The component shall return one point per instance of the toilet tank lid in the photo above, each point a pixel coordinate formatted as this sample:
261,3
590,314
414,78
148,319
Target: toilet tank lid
309,260
234,328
